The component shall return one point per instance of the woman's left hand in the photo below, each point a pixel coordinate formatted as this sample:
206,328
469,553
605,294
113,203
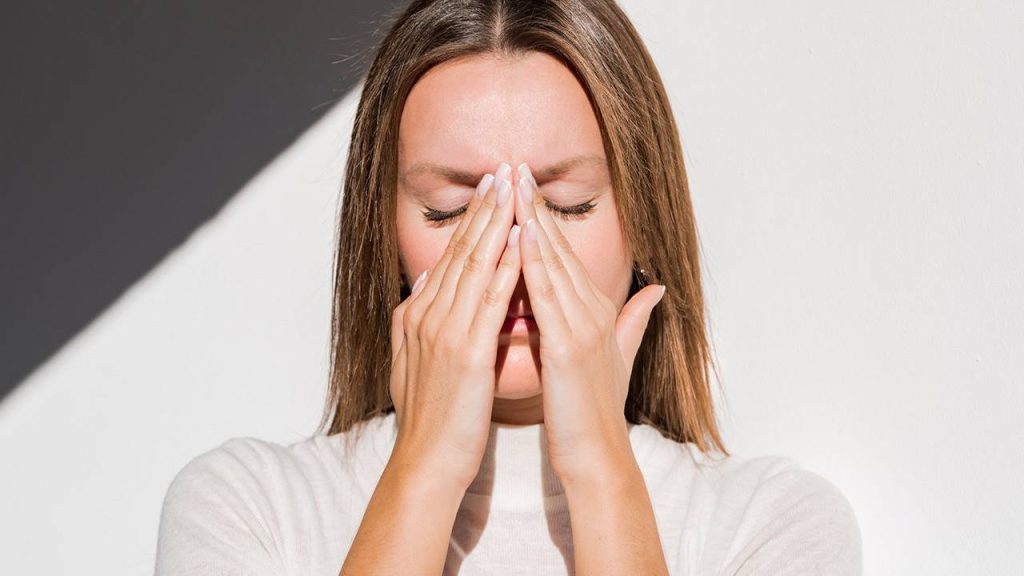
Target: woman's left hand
587,347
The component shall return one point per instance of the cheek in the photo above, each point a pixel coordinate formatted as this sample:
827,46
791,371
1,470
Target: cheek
599,245
419,245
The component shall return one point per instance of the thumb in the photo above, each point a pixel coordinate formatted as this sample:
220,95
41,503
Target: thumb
632,321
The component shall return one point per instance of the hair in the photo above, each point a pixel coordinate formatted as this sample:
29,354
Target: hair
669,386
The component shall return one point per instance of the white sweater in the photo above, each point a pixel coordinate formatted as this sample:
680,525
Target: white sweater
257,508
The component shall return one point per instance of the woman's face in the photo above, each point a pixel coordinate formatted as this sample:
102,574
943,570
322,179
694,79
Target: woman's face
461,120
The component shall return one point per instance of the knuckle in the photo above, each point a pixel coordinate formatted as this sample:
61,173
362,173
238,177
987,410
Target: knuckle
463,245
548,292
557,263
491,297
458,246
489,201
410,320
475,262
425,329
563,242
506,262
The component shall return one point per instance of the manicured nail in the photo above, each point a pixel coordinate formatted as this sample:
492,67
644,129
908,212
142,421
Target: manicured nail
504,191
526,189
503,171
419,283
524,171
484,184
513,236
531,229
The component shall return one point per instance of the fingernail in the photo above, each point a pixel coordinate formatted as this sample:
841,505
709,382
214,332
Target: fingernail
524,171
531,229
663,290
485,183
504,191
513,236
419,282
503,171
526,189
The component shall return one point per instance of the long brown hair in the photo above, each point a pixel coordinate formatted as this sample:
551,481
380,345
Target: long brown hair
670,383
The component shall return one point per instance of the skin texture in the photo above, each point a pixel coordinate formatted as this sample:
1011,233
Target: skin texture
469,115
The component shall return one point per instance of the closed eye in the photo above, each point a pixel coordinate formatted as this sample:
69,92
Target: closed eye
438,218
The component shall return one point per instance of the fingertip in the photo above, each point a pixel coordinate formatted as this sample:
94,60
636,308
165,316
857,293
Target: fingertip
485,183
513,236
531,230
420,280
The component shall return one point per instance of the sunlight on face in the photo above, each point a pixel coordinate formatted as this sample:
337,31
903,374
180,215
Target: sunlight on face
469,115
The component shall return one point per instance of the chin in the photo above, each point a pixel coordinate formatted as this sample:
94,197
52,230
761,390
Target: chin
516,391
517,374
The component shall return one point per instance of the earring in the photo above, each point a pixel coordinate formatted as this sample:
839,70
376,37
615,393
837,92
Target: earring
641,277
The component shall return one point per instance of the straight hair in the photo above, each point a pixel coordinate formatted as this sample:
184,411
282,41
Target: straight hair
669,386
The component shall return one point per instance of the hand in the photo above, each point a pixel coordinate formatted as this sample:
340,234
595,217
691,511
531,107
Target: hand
445,340
587,346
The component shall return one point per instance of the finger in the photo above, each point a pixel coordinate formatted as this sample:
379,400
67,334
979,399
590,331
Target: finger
479,267
396,386
398,317
557,240
493,306
544,298
572,305
430,289
632,321
399,345
461,250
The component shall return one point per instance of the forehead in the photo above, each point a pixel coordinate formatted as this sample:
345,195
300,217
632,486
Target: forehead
477,111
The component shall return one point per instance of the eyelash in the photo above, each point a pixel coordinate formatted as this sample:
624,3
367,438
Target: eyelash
577,212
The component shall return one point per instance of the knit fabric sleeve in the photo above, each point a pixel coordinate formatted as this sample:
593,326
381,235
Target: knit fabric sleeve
217,517
796,523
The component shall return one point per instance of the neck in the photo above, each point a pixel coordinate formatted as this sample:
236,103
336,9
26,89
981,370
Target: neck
518,411
515,471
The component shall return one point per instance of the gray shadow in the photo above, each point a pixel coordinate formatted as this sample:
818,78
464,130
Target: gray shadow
129,124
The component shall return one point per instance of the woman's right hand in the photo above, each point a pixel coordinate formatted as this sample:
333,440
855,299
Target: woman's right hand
444,340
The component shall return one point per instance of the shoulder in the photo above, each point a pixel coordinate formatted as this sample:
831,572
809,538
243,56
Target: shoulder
263,470
249,498
257,465
789,519
756,515
217,511
237,463
238,480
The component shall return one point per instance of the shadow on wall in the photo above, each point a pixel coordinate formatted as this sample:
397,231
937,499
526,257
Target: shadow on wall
128,125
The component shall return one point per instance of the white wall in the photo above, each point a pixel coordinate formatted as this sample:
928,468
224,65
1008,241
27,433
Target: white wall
858,175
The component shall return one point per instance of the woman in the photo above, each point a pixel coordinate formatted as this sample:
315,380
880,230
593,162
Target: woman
520,373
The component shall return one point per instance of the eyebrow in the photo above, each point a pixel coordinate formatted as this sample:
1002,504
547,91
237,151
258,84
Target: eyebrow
472,179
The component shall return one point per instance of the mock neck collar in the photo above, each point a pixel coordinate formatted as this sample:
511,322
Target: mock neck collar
515,467
515,470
